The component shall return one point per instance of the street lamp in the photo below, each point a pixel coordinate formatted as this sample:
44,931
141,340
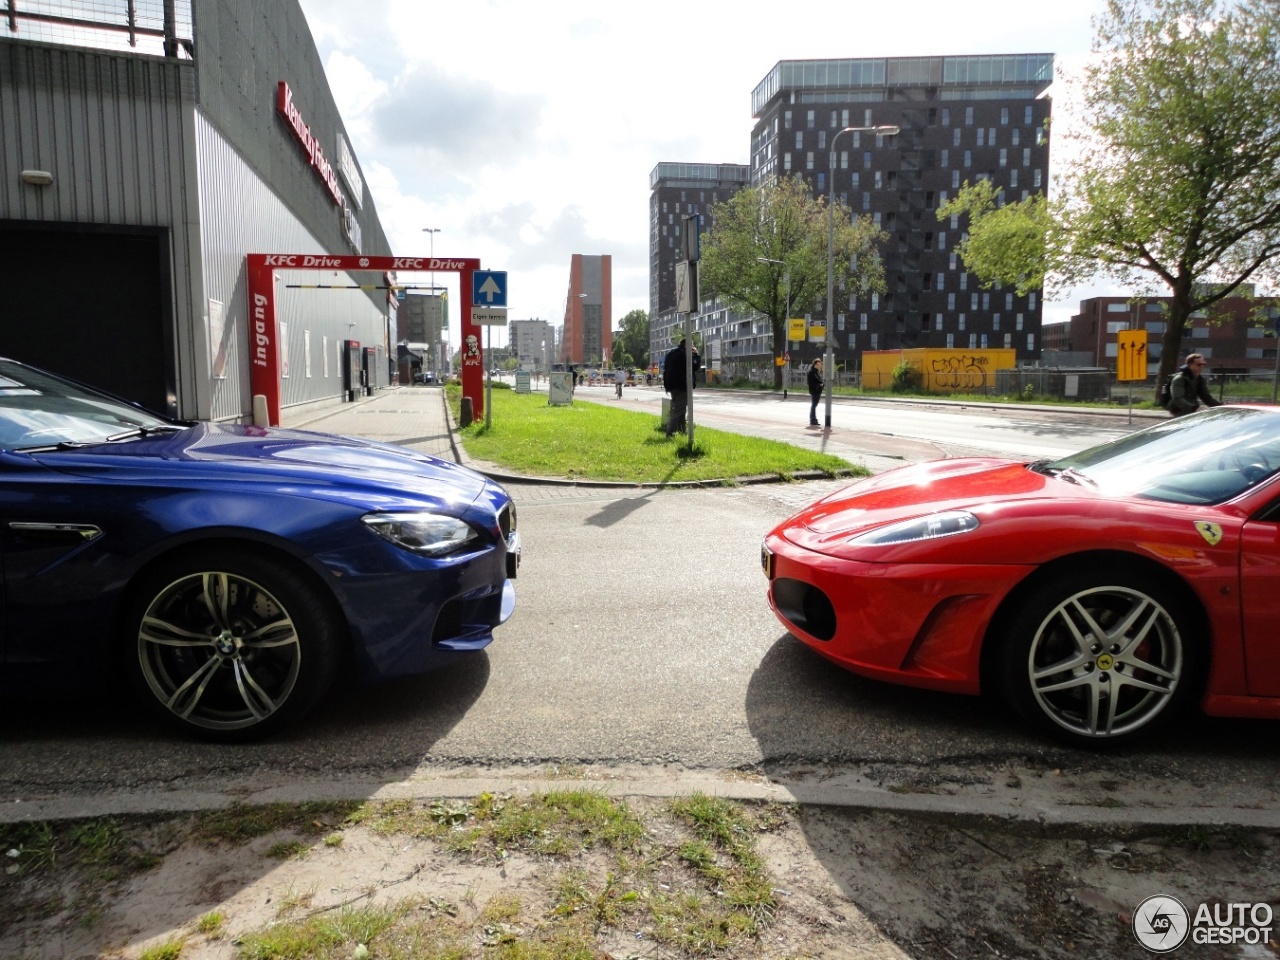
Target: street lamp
435,347
787,280
828,363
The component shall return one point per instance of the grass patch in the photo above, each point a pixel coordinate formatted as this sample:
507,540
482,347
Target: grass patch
596,442
239,824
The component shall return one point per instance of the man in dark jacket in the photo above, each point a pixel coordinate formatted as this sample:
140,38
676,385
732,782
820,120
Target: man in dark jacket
815,390
675,382
1187,390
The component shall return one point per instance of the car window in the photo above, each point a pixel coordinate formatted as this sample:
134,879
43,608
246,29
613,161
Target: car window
1208,457
39,410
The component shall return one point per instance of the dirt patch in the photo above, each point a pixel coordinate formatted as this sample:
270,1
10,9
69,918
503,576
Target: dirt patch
847,884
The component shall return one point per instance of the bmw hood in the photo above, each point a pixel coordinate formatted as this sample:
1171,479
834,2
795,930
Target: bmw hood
319,464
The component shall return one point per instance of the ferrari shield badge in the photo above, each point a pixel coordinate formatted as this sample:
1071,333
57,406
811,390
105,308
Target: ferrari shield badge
1211,532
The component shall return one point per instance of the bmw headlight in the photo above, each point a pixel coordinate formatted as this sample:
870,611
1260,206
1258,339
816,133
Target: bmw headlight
929,527
426,533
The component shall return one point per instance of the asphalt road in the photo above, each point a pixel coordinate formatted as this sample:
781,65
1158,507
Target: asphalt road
642,637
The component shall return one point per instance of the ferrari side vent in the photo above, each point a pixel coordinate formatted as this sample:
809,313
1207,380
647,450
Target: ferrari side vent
805,606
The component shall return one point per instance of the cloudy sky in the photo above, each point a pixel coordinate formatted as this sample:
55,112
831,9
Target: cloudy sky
526,132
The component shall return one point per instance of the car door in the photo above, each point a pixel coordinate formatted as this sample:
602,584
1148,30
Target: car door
1260,599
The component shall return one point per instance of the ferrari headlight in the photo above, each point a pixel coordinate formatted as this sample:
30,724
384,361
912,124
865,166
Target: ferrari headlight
929,527
426,533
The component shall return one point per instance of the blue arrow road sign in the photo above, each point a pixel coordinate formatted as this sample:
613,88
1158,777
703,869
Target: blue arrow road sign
489,288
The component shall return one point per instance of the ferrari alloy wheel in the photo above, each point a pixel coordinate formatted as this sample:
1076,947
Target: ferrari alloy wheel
229,647
1098,659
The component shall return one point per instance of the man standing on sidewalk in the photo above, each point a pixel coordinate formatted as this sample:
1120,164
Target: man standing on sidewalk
815,390
675,382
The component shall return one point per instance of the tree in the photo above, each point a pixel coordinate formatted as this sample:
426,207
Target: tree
631,341
1181,180
782,222
1005,244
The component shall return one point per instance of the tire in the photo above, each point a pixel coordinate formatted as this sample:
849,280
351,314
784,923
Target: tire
1100,657
229,646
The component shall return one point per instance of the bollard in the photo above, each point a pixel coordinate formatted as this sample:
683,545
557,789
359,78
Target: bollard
260,415
467,415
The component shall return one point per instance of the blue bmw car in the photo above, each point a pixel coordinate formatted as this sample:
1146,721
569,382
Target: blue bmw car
232,572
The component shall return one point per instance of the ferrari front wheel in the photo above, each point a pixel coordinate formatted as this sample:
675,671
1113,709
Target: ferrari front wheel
1099,658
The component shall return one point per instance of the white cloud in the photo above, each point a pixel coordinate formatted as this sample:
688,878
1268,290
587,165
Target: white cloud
527,132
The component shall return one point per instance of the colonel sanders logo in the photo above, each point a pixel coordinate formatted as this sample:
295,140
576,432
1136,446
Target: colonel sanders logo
471,350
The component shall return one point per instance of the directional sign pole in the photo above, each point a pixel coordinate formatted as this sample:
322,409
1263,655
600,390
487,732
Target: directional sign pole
488,383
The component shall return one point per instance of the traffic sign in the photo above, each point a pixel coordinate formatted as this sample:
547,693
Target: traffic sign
489,316
1131,355
489,288
795,328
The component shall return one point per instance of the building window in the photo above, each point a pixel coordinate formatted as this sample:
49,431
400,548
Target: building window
786,162
946,116
808,160
951,341
995,321
822,139
1031,343
937,321
1008,301
968,159
944,158
879,179
822,183
982,137
1004,157
1013,177
942,241
855,180
1004,116
1026,116
1017,321
866,118
1015,135
955,179
799,140
1026,156
862,322
866,200
951,304
984,341
875,341
1031,300
955,137
866,160
973,341
1008,340
844,118
961,322
968,116
986,301
1035,178
964,280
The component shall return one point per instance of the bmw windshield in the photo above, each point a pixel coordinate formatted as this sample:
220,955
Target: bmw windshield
43,412
1209,457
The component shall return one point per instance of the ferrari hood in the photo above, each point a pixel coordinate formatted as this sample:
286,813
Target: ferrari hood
922,488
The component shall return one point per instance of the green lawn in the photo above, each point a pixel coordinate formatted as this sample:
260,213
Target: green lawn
588,441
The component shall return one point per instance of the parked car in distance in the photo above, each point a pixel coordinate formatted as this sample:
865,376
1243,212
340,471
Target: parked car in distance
1100,594
225,573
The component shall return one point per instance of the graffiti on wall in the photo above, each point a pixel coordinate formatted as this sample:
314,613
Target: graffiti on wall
959,371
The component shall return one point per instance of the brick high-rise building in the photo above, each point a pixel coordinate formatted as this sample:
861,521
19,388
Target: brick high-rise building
588,311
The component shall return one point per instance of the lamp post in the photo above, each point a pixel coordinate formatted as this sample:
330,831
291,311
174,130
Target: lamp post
786,348
435,347
828,363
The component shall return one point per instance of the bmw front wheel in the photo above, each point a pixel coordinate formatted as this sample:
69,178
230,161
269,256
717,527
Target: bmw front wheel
228,646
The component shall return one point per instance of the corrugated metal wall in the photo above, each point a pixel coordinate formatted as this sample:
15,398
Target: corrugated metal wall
243,215
111,130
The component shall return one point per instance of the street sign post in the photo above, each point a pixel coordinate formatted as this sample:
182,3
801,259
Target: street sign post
1131,360
489,309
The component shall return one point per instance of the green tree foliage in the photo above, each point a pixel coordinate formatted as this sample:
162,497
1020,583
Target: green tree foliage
1005,244
1181,180
631,341
783,222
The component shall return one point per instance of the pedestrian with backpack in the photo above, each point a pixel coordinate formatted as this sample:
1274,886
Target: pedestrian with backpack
1187,389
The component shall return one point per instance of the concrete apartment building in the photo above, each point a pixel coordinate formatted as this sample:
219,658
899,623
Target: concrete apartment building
588,311
961,118
533,344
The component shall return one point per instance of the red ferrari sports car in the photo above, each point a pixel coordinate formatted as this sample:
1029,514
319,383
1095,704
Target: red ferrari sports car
1100,594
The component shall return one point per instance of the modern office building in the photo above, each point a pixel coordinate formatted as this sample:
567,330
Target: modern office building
588,311
148,149
1237,335
533,344
676,191
421,321
960,119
